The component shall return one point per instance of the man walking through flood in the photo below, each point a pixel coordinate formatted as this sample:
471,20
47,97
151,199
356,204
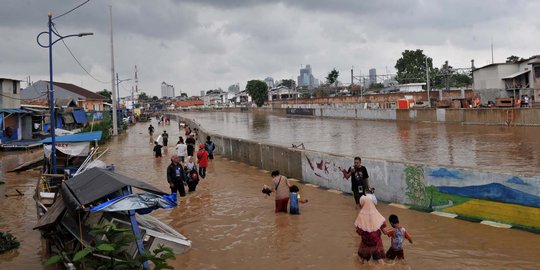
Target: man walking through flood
359,180
175,176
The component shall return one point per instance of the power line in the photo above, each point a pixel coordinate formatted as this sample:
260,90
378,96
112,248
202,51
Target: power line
69,11
77,60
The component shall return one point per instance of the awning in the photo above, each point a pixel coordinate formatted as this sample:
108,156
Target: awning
78,137
515,75
80,116
13,110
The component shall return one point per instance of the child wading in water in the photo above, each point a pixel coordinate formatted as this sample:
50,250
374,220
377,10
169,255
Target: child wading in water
294,199
397,233
157,149
369,225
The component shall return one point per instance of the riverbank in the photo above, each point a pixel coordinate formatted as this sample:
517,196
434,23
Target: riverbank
419,185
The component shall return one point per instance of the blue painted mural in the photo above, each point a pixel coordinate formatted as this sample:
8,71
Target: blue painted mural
494,192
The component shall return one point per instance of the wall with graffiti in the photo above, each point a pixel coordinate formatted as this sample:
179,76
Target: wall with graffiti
470,194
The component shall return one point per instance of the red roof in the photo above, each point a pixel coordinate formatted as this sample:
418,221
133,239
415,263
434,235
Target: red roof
189,103
80,91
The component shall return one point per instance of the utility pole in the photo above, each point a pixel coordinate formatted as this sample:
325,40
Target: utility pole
492,59
352,76
427,84
114,105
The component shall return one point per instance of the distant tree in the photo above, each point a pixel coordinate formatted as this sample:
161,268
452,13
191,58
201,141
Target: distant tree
322,91
513,59
411,67
155,98
288,83
332,77
355,89
143,96
258,90
376,86
106,93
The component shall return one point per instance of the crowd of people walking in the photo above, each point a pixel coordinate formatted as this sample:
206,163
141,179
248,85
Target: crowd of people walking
189,163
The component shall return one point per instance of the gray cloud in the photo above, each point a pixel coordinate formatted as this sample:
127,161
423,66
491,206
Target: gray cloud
197,45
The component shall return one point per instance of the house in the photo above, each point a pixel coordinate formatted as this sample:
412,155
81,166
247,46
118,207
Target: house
15,123
241,98
411,87
282,92
188,104
507,80
84,98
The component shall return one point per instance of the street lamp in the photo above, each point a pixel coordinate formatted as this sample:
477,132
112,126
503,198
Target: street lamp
51,84
118,81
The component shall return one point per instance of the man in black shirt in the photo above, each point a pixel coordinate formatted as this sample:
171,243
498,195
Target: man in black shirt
359,180
190,142
175,176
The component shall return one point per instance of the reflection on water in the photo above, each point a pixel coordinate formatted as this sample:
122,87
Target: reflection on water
497,148
233,225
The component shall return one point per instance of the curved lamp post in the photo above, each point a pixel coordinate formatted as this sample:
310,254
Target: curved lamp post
51,84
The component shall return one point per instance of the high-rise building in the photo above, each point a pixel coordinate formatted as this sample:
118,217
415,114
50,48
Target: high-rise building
202,93
269,81
306,78
234,88
167,90
372,76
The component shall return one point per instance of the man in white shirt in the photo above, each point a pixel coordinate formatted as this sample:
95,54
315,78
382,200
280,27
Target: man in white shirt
181,149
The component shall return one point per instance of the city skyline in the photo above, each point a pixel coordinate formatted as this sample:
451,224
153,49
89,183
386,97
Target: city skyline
201,45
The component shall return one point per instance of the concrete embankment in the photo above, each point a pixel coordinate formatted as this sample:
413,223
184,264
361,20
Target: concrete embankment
481,116
472,194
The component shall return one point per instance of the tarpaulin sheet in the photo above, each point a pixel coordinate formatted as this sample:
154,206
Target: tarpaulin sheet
137,201
78,137
71,149
80,116
68,118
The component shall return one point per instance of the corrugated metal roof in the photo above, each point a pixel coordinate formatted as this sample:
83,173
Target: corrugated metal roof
13,110
515,75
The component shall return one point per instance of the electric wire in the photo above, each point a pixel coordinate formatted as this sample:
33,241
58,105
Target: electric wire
69,11
77,60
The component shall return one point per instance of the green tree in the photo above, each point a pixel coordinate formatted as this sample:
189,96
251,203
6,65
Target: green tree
258,90
106,93
411,67
155,98
376,86
143,96
513,59
332,77
288,83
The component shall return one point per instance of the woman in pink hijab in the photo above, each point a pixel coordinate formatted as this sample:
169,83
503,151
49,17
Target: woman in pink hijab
369,225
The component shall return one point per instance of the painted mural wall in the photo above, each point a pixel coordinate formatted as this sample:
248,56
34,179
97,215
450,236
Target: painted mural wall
470,194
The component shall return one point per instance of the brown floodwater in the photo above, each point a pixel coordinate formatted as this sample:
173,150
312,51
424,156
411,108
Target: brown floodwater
233,225
494,148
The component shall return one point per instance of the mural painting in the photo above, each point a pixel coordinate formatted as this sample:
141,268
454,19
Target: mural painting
477,195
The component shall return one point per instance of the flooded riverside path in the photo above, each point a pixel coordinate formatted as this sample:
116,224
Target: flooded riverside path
489,148
233,225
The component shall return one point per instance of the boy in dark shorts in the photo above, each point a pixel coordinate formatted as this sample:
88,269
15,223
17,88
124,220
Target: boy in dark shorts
398,234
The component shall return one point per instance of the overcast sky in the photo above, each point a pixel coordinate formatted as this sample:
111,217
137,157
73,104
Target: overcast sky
205,44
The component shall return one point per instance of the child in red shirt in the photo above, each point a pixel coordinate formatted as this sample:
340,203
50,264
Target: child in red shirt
202,160
397,233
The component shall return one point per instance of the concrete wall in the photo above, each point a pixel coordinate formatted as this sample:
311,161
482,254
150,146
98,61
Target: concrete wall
499,197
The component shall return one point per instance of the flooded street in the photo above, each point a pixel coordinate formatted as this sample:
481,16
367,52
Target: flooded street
233,225
491,148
